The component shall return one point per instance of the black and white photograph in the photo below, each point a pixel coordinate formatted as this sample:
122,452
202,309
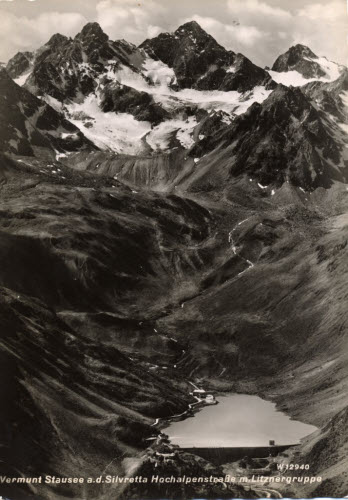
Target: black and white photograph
173,249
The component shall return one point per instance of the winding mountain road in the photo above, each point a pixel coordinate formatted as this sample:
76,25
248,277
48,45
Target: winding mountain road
234,247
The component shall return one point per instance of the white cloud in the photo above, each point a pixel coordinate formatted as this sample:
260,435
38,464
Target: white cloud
260,29
232,36
153,31
323,27
248,35
128,19
245,8
330,12
23,33
266,30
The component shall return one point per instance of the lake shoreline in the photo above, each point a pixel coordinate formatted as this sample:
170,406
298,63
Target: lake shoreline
239,420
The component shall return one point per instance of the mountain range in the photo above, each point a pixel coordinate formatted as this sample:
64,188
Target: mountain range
170,212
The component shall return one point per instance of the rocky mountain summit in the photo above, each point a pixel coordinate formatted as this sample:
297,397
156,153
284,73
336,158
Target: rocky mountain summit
183,91
170,215
65,67
20,64
299,65
200,62
302,59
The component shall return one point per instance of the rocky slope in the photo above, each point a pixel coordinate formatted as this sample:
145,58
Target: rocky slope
65,261
330,97
59,67
301,59
129,100
55,382
299,65
20,64
30,126
284,139
200,62
178,121
168,213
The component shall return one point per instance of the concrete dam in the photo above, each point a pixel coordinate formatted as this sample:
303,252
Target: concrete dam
224,455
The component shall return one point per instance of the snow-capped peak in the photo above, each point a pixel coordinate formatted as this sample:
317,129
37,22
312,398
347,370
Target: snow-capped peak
299,66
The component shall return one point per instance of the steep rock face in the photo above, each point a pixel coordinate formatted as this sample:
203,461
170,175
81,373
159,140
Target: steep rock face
65,67
123,99
62,395
299,64
91,75
94,43
200,62
328,455
29,124
190,37
19,64
299,58
330,97
284,138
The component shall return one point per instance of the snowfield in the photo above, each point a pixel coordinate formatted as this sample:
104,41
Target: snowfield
158,72
156,78
160,136
23,78
122,133
119,132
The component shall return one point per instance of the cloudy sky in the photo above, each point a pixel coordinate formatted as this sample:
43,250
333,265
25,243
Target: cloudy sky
260,29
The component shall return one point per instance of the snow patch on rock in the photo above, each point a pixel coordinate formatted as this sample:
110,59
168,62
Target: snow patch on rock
159,137
158,73
23,78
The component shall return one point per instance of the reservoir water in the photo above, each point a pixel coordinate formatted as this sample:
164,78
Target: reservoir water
238,420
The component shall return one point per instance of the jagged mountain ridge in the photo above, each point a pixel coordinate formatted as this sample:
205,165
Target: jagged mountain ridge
58,66
178,91
283,139
90,73
287,138
330,97
200,62
300,58
30,126
299,65
20,64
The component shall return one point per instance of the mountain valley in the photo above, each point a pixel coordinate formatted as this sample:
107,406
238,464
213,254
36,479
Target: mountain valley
170,214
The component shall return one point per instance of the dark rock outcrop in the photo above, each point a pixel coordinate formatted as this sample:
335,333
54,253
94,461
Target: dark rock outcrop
124,99
200,62
19,64
328,96
299,58
29,125
65,67
283,139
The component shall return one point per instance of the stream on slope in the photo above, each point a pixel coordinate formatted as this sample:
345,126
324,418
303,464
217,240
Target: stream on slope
239,420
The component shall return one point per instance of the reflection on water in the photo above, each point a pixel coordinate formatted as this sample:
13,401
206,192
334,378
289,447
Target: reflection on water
238,420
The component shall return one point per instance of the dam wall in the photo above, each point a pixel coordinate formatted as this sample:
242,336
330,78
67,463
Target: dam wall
224,455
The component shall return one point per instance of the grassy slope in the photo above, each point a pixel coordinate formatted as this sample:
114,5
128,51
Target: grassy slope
117,266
